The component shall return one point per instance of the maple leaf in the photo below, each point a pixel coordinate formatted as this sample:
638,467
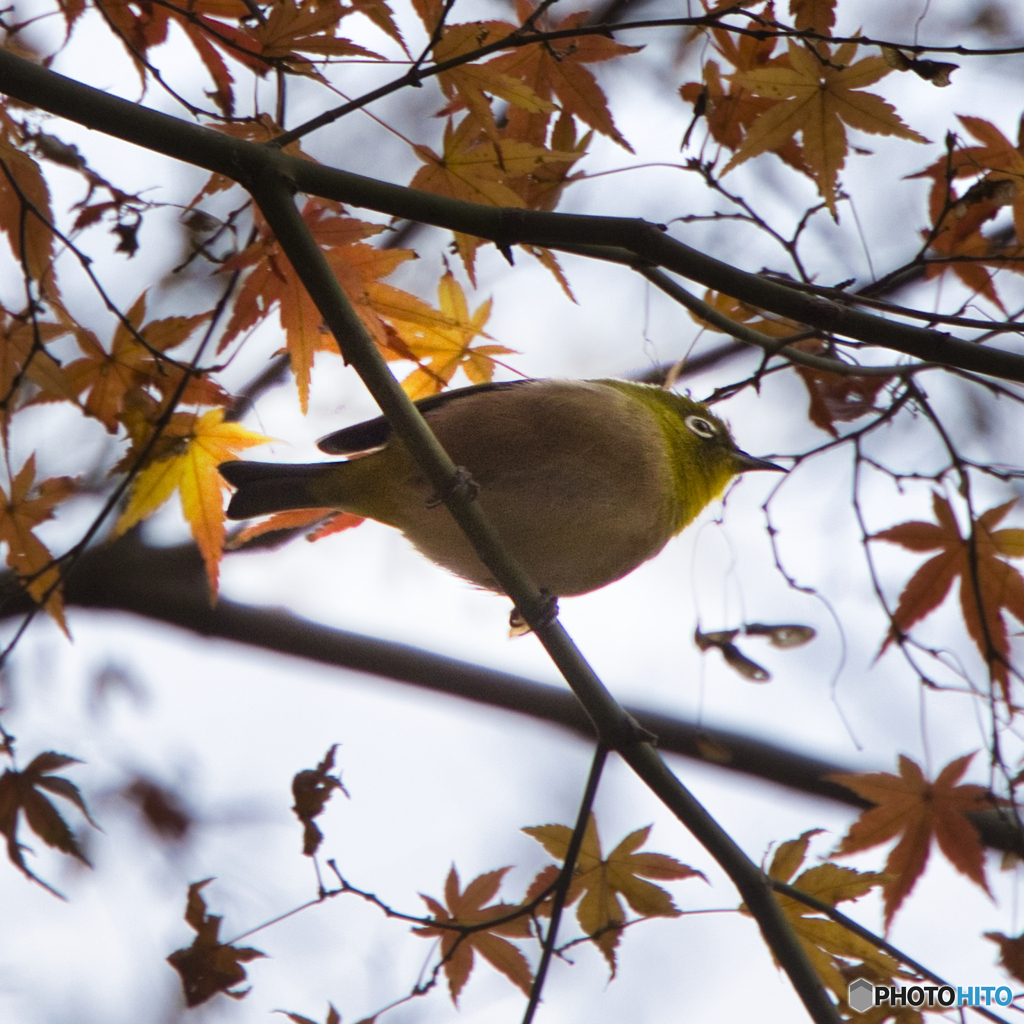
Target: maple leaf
312,788
273,280
478,168
444,344
918,811
731,110
600,881
20,795
815,96
817,15
467,909
836,954
836,396
28,505
556,71
467,85
28,228
112,382
27,366
192,471
998,166
324,520
1011,953
309,26
958,244
988,584
209,966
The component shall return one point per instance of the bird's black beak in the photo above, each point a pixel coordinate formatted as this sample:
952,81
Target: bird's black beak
744,463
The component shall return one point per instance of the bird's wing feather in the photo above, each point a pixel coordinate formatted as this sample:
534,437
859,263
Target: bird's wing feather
375,433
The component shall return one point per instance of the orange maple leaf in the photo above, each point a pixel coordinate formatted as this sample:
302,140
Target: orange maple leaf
556,71
731,111
918,811
273,281
815,95
999,585
956,238
467,909
479,168
26,507
324,521
111,379
600,881
192,471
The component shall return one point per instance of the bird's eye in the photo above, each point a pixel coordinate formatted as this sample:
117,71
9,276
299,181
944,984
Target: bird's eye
701,427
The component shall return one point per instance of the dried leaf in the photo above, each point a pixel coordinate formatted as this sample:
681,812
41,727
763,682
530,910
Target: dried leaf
208,966
917,811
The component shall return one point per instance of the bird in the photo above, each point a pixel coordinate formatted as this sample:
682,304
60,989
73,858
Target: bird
583,480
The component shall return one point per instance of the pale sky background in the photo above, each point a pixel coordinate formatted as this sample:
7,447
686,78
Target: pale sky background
435,780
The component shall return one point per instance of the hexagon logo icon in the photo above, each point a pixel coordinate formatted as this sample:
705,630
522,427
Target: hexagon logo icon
861,995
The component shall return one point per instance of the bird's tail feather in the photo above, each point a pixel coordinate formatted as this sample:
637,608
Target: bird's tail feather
266,487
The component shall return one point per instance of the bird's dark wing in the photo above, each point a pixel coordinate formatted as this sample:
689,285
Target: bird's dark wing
363,437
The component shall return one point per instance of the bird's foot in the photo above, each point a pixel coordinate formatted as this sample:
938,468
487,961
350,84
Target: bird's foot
547,612
462,483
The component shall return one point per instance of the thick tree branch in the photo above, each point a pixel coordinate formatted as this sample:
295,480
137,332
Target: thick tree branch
168,585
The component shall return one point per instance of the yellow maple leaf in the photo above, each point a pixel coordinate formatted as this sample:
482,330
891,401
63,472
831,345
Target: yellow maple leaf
443,341
601,880
815,95
837,954
192,471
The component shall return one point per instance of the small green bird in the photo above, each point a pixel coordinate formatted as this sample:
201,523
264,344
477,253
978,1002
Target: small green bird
583,480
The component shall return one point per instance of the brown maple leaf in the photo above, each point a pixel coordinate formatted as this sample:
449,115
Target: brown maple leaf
731,109
209,966
468,910
816,95
20,794
1011,953
956,241
918,811
312,788
25,215
836,396
988,583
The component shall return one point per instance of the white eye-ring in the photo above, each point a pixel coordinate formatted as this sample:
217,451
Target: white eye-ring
701,426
